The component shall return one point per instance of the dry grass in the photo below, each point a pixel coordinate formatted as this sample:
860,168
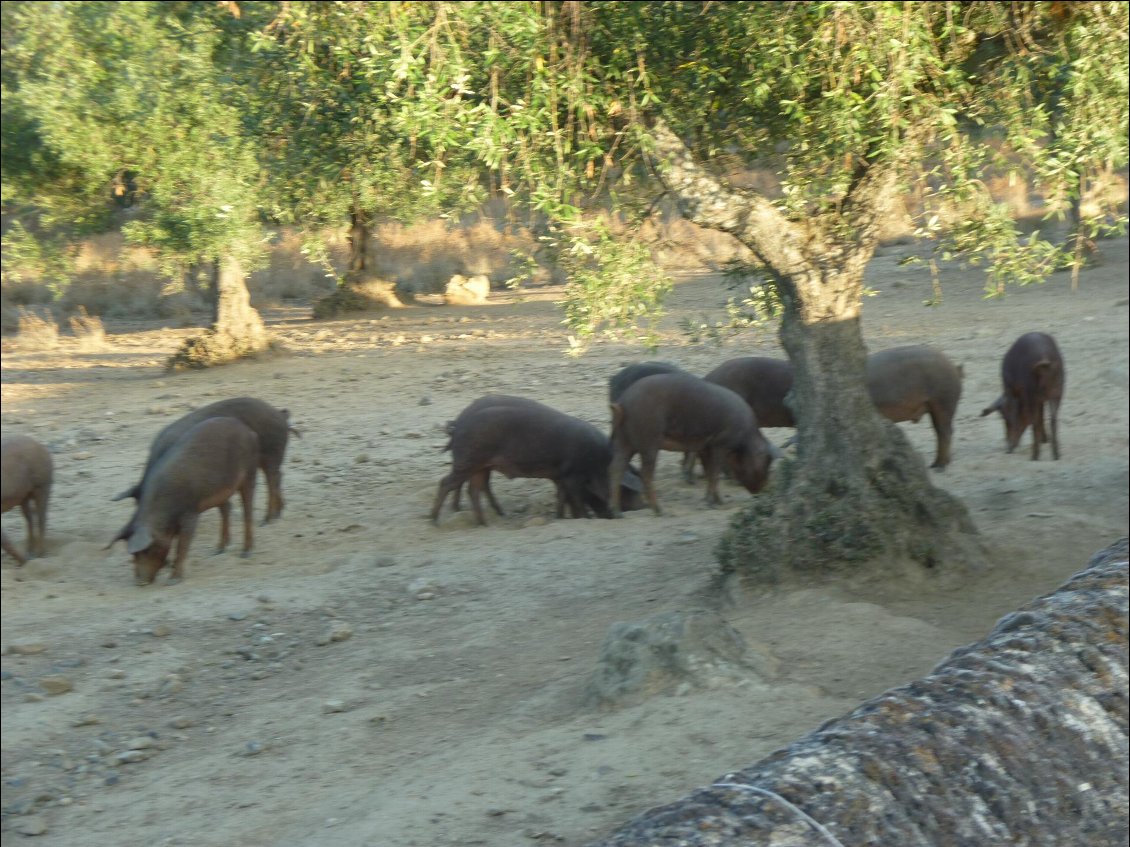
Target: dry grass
37,329
88,331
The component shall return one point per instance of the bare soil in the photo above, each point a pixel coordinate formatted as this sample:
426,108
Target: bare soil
366,678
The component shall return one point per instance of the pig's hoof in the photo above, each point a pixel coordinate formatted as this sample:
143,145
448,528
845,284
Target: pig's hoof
246,554
173,580
219,551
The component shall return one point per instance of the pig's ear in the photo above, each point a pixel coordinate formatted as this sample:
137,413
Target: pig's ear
140,540
125,532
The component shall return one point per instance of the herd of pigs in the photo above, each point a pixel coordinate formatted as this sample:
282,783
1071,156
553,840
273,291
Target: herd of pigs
202,460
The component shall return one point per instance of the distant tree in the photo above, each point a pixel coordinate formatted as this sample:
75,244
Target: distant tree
111,105
350,106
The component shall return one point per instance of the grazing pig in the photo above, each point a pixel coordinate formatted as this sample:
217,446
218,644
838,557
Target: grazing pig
1032,372
907,382
203,470
762,383
678,411
524,438
26,473
623,379
271,425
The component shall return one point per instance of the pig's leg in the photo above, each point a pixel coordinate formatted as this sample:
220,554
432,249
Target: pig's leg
247,500
29,518
449,483
41,498
1038,434
10,548
648,459
710,465
225,526
490,494
273,476
475,486
1053,419
943,427
184,539
621,456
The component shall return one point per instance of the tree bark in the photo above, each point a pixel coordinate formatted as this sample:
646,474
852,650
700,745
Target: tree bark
1019,738
358,242
857,491
237,329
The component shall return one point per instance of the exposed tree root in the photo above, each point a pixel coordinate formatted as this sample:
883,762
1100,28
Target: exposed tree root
816,519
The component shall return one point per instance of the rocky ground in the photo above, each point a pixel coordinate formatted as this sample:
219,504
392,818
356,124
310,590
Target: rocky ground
367,678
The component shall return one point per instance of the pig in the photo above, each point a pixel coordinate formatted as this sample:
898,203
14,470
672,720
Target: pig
271,425
905,383
203,470
1033,373
623,379
630,481
26,474
524,438
679,411
762,383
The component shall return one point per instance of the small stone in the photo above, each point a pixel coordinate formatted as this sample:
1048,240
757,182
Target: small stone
424,401
160,631
333,706
55,685
181,722
361,458
237,616
83,456
29,648
338,631
252,748
31,825
87,720
142,742
385,562
117,673
537,520
129,757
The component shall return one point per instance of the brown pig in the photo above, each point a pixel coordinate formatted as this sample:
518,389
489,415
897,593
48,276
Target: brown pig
1033,374
523,438
623,379
26,473
203,470
678,411
905,383
271,425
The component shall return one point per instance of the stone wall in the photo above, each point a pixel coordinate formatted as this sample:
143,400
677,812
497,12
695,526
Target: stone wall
1019,739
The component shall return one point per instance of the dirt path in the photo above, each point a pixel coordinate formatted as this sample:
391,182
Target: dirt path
369,679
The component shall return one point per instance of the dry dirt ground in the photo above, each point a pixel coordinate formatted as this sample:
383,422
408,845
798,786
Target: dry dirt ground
367,678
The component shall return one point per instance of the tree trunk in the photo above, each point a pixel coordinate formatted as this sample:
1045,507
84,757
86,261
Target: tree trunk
857,492
237,329
358,243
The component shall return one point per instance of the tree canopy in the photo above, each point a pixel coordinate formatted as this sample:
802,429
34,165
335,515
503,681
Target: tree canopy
217,117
